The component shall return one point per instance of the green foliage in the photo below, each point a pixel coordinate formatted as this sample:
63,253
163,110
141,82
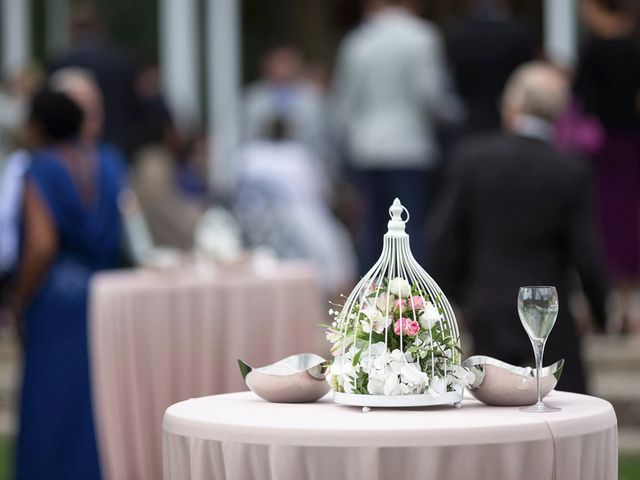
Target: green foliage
629,467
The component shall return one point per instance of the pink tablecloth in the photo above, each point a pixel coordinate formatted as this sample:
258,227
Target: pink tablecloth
160,337
239,436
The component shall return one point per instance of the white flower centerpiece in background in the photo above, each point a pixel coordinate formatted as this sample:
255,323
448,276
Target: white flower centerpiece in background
396,335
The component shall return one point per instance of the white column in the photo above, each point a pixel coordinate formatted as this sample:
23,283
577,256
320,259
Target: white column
223,43
16,34
561,31
179,60
58,25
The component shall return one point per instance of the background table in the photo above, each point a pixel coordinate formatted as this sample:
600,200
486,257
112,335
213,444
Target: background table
160,337
239,436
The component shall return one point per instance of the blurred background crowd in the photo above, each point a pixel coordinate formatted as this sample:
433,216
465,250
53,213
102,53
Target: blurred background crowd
509,129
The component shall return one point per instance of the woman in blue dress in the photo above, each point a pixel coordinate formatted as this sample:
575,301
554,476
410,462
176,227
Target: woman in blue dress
71,228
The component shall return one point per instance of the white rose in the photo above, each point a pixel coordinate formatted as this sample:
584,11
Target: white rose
385,302
430,317
400,287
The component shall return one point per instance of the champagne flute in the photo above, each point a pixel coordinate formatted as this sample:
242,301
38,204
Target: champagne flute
538,309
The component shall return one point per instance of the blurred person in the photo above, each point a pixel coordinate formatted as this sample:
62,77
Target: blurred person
391,87
516,212
171,216
484,48
285,92
318,76
608,88
71,229
282,205
15,91
80,85
192,175
11,187
114,73
156,125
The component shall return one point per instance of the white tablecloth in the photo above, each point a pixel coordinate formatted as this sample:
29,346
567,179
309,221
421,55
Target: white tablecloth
160,337
241,437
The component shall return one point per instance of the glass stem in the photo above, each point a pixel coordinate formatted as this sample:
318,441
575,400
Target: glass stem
538,351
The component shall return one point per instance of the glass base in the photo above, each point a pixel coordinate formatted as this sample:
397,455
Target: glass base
540,408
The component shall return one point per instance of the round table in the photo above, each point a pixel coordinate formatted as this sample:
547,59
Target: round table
240,436
157,337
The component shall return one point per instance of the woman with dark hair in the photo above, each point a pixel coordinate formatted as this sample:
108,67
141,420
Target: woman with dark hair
608,86
70,225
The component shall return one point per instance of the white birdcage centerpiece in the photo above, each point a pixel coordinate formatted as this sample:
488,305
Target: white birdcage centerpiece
395,340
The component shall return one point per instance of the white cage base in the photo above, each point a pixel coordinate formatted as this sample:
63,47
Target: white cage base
391,401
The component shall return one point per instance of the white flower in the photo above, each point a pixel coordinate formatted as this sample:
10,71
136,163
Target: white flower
343,371
375,321
376,385
430,317
392,373
376,350
465,376
415,378
372,359
348,385
478,376
385,302
393,386
337,347
396,360
400,287
437,386
333,335
343,366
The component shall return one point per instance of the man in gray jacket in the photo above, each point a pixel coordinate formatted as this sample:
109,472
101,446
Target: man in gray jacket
390,90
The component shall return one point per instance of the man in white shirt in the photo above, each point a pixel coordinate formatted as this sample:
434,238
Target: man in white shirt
391,88
284,92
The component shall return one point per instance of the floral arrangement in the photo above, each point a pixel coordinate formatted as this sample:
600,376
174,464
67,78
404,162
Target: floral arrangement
394,341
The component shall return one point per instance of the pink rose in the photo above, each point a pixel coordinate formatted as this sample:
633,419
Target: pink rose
409,328
417,302
400,304
412,328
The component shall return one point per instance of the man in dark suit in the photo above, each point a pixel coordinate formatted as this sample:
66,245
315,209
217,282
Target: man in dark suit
484,48
517,212
113,71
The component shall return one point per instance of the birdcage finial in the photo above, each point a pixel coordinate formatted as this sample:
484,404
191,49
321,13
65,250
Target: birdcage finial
396,224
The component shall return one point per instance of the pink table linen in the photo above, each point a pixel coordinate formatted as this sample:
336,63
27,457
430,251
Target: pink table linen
239,436
160,337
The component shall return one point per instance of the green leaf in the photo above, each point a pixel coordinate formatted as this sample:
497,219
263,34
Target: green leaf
356,358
